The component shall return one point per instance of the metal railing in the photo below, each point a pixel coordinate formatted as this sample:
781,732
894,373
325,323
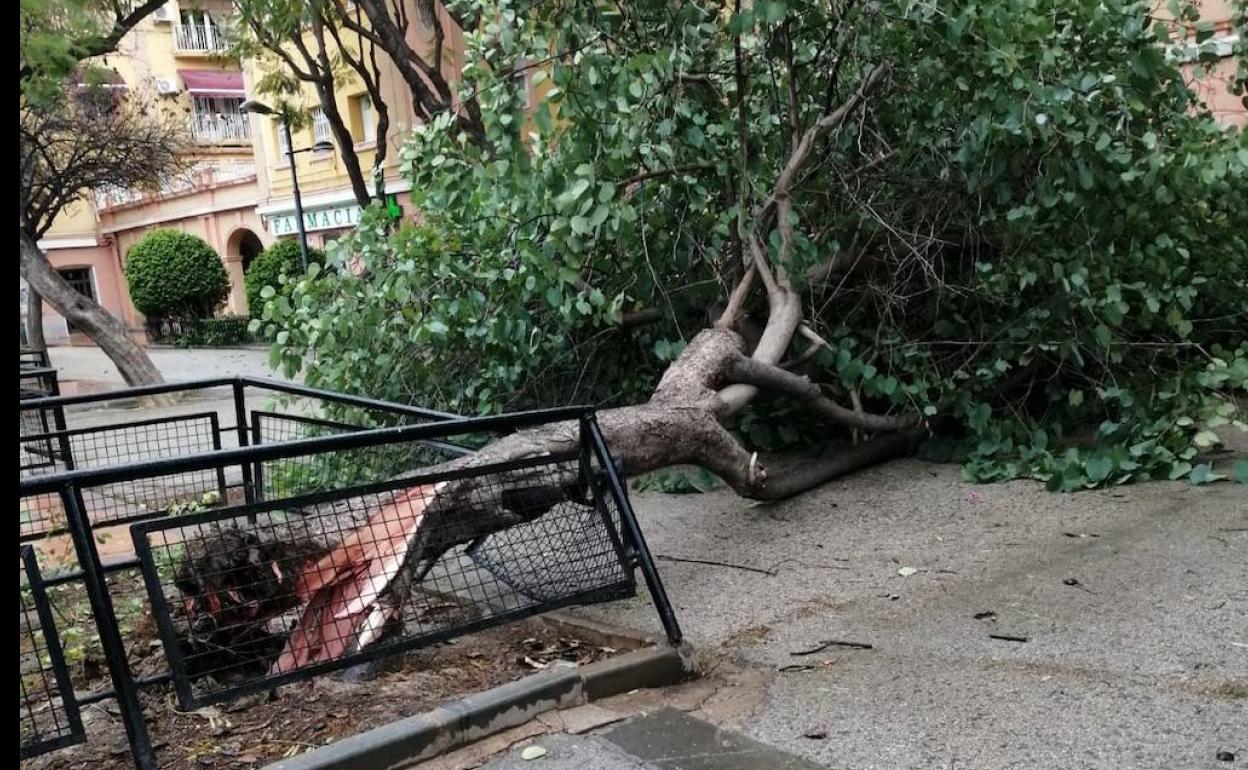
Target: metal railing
217,127
198,37
198,177
285,492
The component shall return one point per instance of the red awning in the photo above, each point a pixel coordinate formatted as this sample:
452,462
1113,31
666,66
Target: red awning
213,82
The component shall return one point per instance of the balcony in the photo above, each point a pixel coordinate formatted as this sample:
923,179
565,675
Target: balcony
198,38
220,128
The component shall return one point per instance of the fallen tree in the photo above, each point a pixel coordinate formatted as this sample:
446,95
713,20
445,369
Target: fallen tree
819,228
782,244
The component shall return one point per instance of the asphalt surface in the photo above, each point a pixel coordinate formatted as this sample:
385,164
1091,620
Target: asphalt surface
1133,603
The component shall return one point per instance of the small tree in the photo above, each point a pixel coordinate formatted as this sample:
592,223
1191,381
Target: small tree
172,273
282,258
67,150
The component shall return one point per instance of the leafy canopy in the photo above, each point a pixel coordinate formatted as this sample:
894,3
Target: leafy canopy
1032,229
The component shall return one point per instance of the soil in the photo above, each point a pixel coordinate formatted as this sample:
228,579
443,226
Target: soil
262,728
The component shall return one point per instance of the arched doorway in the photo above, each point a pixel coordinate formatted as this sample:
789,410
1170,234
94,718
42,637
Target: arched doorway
241,250
249,247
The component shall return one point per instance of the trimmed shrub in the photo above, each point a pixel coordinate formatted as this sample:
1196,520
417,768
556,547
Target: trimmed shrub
175,274
282,258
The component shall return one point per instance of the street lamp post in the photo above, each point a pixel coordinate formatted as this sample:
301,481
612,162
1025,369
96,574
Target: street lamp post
263,109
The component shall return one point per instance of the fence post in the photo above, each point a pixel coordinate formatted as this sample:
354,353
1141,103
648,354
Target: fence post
66,448
216,445
106,623
633,530
240,420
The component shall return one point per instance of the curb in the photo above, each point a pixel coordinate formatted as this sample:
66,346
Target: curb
407,741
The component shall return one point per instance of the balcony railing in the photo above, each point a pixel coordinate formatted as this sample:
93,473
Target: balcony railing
198,37
217,128
196,178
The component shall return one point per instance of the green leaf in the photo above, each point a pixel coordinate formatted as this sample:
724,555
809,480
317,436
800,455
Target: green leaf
770,11
1239,471
1099,468
1205,438
1103,336
1203,474
1179,470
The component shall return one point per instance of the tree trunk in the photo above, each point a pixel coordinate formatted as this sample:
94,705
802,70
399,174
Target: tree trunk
34,321
105,329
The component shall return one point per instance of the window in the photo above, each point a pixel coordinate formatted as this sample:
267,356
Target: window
219,119
283,140
368,121
79,278
197,32
320,126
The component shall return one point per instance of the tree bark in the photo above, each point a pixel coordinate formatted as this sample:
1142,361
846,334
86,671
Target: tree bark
100,325
431,93
34,320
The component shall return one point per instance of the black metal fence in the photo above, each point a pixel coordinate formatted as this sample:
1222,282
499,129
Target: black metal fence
310,536
49,714
200,332
38,359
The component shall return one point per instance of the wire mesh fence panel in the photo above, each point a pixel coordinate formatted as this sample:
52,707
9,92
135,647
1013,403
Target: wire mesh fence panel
255,596
37,382
123,444
34,359
334,530
48,713
544,558
277,479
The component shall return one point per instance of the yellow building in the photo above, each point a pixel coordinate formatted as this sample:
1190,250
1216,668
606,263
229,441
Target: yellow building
329,205
175,58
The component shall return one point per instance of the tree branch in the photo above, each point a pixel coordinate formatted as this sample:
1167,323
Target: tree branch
736,300
753,372
664,172
788,480
121,25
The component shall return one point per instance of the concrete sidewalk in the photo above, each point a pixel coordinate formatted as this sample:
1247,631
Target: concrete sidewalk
89,364
666,739
88,370
1121,617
